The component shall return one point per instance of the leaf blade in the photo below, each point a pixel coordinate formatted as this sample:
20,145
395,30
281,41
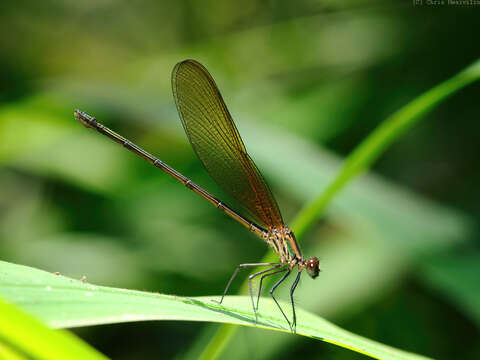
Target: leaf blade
65,302
22,336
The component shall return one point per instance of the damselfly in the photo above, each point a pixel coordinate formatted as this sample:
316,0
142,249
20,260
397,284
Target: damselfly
217,143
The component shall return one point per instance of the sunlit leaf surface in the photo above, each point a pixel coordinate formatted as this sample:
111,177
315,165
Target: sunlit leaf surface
64,302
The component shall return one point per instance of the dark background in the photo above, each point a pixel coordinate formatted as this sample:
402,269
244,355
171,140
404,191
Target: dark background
305,81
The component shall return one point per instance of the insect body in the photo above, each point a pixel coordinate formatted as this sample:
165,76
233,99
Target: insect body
217,143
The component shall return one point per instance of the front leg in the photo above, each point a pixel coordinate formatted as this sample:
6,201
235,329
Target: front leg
241,266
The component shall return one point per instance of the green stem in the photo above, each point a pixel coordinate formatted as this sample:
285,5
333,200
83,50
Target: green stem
218,342
362,157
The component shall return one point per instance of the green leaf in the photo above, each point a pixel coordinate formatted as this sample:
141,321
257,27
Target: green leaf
23,337
65,302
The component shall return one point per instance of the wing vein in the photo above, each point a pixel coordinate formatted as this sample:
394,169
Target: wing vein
217,143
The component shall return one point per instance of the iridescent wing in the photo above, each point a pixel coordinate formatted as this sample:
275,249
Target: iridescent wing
217,143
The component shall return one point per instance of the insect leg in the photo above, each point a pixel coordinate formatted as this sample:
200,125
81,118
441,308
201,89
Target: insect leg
241,266
250,288
273,289
292,290
261,281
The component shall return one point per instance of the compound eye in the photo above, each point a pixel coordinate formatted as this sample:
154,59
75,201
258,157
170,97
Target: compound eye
312,267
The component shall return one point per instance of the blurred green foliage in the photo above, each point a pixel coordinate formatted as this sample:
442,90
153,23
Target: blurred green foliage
304,81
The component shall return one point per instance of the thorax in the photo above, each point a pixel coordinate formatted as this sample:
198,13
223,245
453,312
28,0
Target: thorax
283,242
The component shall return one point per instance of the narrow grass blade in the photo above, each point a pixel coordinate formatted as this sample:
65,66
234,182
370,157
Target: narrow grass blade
23,337
380,139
